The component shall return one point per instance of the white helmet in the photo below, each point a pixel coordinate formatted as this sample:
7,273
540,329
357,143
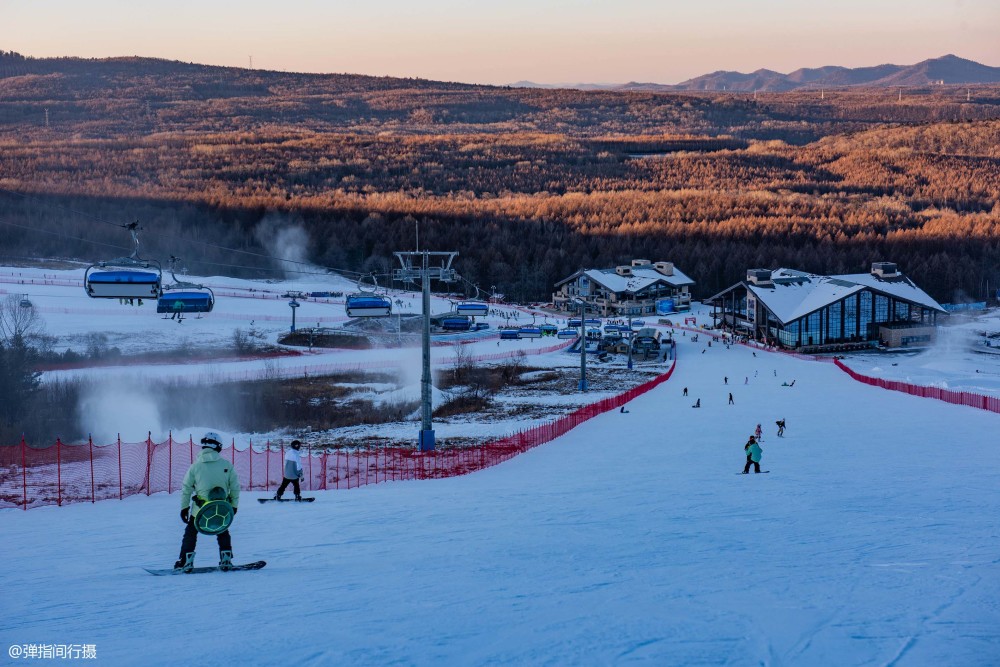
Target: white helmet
213,440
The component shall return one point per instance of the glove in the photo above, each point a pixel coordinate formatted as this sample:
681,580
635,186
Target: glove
235,510
184,515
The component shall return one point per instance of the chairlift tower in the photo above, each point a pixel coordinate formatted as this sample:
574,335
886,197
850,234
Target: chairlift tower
425,266
583,344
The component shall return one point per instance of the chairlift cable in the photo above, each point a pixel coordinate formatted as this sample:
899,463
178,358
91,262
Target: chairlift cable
346,273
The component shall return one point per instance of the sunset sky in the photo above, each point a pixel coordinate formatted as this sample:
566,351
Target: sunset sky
552,41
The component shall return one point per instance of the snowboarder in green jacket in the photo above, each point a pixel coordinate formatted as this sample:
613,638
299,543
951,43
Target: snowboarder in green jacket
210,477
753,455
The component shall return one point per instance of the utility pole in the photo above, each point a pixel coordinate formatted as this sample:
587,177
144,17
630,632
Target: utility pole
418,265
46,118
583,345
293,304
631,337
251,62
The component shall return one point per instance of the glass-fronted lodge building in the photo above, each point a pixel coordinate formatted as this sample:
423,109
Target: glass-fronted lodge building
811,313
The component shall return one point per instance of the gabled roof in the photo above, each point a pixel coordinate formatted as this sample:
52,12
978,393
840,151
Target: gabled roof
641,278
796,294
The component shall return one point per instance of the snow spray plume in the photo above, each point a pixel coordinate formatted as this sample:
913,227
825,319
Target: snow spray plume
123,407
284,239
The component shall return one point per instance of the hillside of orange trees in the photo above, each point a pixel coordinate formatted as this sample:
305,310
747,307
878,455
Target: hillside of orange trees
527,184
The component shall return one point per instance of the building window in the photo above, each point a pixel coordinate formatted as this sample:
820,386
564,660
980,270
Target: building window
833,327
789,336
850,317
902,313
865,316
810,329
881,309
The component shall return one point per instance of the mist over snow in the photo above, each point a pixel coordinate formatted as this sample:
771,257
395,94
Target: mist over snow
121,408
285,239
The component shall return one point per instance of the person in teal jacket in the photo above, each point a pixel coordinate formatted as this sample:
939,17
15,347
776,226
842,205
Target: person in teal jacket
210,472
753,451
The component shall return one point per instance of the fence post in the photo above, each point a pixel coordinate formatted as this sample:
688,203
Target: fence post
309,452
170,460
120,493
24,473
250,453
93,495
59,472
149,461
267,467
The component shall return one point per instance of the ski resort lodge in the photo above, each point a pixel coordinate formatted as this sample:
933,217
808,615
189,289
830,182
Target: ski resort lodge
641,288
811,313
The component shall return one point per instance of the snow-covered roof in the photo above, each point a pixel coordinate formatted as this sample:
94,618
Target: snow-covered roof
901,288
795,294
641,278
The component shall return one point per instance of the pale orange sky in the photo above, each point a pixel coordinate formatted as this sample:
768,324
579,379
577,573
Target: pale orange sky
550,41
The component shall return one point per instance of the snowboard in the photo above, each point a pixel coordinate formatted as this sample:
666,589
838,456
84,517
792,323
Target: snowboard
753,473
285,500
201,570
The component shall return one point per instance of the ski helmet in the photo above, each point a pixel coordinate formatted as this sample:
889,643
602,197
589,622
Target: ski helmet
296,444
213,440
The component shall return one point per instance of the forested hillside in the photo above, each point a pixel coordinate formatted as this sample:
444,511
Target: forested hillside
527,184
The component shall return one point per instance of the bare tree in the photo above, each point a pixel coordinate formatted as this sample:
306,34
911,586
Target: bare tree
18,322
463,364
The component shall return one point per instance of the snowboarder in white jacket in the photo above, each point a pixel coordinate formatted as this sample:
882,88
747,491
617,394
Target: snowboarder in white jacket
293,471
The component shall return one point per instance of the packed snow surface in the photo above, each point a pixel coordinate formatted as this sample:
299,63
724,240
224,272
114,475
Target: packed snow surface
632,539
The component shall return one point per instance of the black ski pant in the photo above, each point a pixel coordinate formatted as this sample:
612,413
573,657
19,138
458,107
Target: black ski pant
756,465
191,539
295,486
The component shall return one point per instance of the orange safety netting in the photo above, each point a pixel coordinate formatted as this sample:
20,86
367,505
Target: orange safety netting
61,473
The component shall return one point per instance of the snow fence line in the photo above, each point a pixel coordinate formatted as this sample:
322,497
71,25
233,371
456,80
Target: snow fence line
979,401
61,473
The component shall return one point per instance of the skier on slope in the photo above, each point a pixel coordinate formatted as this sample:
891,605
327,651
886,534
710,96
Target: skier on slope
781,427
208,478
293,471
753,455
758,432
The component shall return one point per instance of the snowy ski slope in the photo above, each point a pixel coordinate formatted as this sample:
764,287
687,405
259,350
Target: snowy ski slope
631,540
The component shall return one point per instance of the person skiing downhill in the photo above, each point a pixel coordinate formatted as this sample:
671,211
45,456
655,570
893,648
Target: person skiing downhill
293,471
753,455
781,427
209,476
758,432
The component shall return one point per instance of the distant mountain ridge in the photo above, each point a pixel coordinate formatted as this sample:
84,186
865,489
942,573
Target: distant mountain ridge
949,70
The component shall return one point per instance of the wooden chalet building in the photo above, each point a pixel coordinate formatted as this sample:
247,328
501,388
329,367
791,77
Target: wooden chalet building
636,289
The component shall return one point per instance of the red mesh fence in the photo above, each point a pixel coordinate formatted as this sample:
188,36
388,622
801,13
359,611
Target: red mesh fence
990,403
60,473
